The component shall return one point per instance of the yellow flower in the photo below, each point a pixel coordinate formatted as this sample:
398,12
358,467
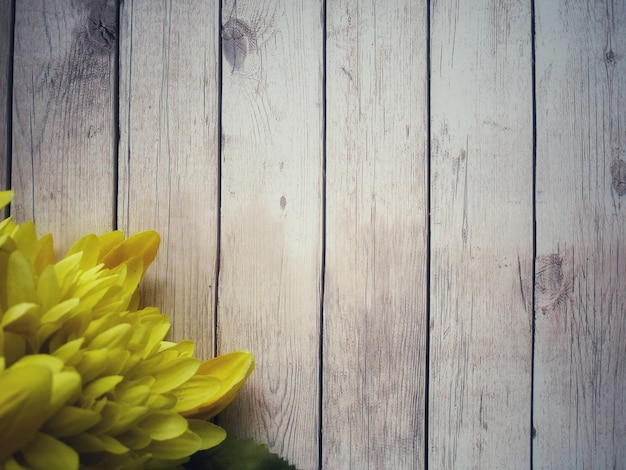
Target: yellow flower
86,377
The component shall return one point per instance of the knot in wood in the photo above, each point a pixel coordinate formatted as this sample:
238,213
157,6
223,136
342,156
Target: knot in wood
102,26
238,39
618,175
609,57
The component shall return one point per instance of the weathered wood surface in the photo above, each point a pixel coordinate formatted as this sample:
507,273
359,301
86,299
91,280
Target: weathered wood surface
169,154
481,235
375,325
271,218
63,123
580,358
6,18
306,240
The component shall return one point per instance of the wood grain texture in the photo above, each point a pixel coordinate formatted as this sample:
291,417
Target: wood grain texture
63,125
271,240
168,158
375,280
6,69
580,358
482,235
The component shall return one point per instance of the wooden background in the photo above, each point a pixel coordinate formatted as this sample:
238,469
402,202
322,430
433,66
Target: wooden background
307,164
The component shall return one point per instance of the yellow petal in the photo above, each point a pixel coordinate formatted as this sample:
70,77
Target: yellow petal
26,239
184,348
135,438
92,364
163,425
113,337
44,452
169,374
22,319
89,245
159,401
24,396
71,420
95,289
232,370
196,391
118,358
5,198
86,442
69,352
45,253
134,396
48,288
127,417
7,226
101,324
210,434
143,245
66,271
66,387
100,386
20,280
132,271
158,325
60,312
108,241
13,347
108,413
180,447
53,363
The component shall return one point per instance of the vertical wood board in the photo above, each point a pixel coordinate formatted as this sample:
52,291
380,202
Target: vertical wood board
482,235
580,358
63,133
168,158
270,257
6,70
375,271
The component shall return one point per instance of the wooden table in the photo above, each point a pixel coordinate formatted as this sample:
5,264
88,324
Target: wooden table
307,164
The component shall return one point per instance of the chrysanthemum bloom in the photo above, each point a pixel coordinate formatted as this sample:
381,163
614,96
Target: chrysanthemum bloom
86,377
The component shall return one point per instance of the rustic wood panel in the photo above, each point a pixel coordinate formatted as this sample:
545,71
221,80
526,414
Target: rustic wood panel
6,69
168,158
271,240
255,211
374,353
580,359
63,104
482,235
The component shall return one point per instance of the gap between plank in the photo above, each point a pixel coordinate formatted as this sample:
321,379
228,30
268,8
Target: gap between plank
428,245
116,118
218,224
534,235
323,243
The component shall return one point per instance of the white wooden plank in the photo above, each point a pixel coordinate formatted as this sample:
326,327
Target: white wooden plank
270,268
6,26
580,358
63,136
168,157
375,280
482,235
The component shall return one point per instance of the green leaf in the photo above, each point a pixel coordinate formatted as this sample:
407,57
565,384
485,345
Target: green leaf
242,454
